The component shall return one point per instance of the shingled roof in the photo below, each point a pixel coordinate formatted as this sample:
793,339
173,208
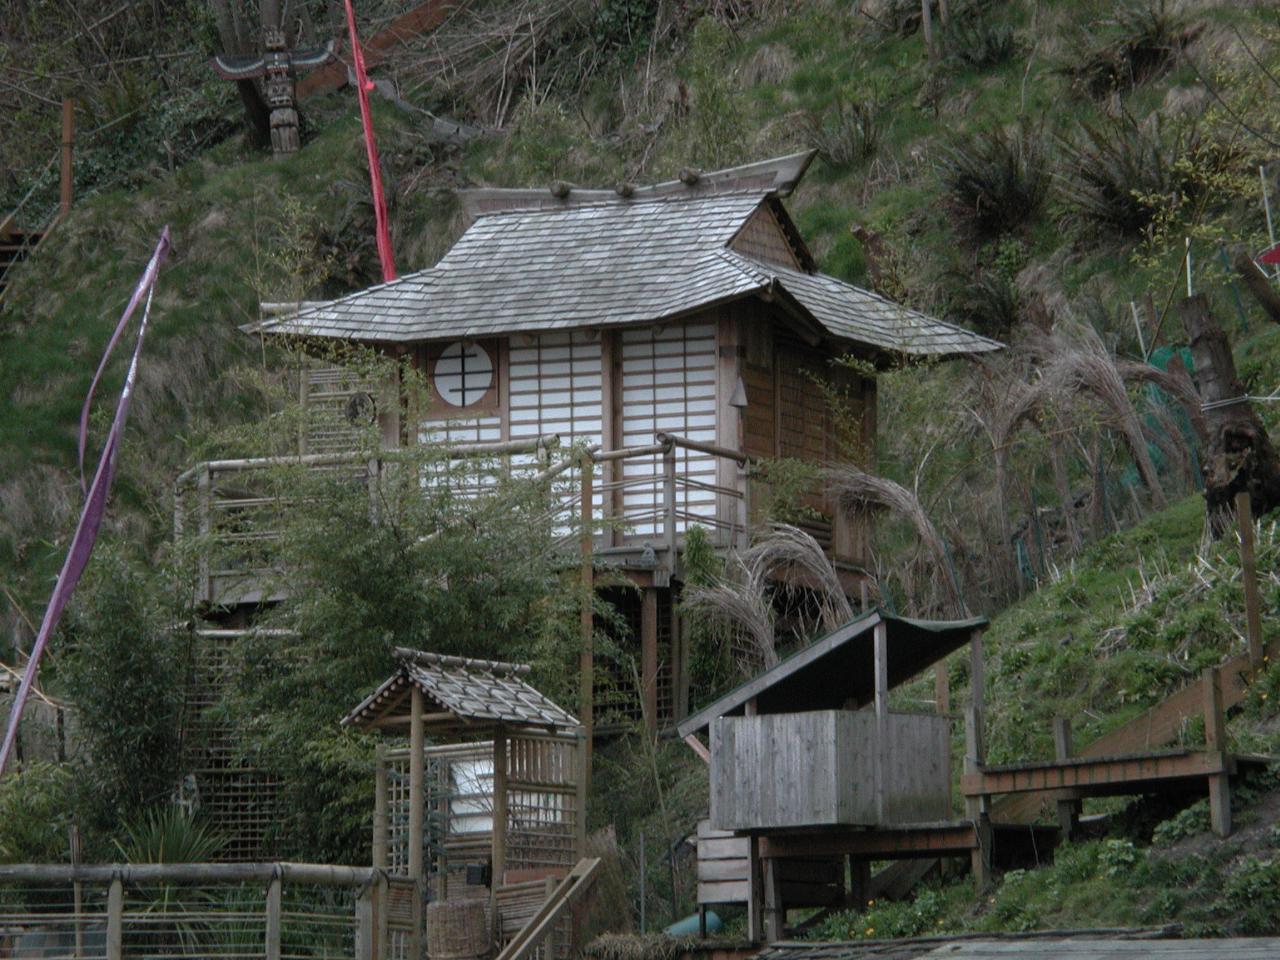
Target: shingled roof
612,263
476,693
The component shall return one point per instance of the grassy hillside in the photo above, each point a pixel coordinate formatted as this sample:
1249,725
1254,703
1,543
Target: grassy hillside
1041,169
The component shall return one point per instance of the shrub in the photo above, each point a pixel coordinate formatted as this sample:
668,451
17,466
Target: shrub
977,38
1137,43
34,814
1118,175
985,300
997,179
849,131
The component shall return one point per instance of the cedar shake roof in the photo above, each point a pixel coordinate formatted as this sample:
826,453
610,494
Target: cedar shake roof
476,692
613,263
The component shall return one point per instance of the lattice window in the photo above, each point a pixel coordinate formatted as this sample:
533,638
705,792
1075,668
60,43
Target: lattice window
668,386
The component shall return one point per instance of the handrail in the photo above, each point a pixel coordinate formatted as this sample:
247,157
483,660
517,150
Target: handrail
716,451
311,873
458,451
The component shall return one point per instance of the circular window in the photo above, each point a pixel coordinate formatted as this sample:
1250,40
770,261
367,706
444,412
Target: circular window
464,374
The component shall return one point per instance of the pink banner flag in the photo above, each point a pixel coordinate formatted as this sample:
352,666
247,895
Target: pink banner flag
363,86
95,503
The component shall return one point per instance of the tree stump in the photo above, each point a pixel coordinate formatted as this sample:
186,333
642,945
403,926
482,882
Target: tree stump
1240,454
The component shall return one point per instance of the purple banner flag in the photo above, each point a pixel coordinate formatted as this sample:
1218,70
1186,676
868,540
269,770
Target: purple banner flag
95,503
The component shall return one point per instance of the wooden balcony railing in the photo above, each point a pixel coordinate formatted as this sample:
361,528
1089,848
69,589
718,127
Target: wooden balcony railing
642,503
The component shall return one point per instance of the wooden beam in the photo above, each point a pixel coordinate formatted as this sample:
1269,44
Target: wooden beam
775,913
1103,776
274,918
891,843
417,814
880,647
698,747
1068,809
500,809
755,893
1249,574
68,142
380,810
115,920
649,656
586,621
1215,737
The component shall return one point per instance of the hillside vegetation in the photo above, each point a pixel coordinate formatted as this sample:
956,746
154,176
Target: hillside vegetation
1034,178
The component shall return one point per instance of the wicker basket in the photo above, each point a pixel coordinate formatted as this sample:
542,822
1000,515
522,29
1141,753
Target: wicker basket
457,930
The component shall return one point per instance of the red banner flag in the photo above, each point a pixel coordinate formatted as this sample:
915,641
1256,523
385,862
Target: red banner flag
363,86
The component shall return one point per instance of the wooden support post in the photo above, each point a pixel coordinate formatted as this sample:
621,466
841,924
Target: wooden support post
382,917
380,810
775,911
499,806
77,891
859,883
115,920
273,918
926,24
1215,736
880,642
366,924
649,656
1249,573
580,813
417,817
586,621
680,682
1068,810
669,521
755,894
68,142
977,809
942,687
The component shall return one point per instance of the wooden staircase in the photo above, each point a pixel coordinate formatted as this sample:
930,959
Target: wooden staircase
15,246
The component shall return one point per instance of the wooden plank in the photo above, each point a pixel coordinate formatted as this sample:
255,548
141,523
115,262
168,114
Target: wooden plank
880,773
1100,777
273,920
888,844
553,908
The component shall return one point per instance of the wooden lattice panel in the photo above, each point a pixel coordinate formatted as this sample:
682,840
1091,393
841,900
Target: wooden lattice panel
616,693
238,798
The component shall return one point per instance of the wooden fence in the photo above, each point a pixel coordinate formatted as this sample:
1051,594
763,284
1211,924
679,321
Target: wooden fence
280,911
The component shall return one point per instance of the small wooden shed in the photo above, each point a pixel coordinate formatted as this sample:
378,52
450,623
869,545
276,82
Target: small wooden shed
498,798
811,749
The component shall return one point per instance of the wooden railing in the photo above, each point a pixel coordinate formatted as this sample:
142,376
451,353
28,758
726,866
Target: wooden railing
217,911
643,501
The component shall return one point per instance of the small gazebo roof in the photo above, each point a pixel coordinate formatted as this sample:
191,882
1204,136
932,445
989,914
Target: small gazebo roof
840,667
461,694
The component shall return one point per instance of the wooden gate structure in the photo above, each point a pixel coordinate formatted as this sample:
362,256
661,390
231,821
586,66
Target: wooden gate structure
497,811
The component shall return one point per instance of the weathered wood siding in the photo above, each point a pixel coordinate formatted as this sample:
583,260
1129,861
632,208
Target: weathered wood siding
762,237
668,385
723,868
326,389
819,768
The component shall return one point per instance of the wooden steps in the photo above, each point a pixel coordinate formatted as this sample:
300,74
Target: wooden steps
15,246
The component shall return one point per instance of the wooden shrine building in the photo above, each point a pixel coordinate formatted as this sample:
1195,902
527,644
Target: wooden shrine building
675,335
678,331
493,809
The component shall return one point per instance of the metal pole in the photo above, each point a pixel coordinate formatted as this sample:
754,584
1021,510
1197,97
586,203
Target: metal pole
1137,325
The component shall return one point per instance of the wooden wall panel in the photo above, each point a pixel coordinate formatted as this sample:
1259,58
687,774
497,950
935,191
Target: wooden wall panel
761,237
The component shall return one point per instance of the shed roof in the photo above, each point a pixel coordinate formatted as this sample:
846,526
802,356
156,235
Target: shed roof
476,693
839,667
613,263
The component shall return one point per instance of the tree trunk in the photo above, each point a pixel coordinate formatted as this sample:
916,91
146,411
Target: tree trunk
238,40
1240,455
1259,285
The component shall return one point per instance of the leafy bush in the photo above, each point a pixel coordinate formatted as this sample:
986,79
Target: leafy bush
997,180
35,811
1253,890
1137,43
985,300
168,834
125,673
1186,823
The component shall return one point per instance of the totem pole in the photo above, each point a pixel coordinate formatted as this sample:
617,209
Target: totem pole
278,67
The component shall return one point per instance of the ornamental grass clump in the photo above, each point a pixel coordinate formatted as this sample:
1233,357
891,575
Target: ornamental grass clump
996,180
